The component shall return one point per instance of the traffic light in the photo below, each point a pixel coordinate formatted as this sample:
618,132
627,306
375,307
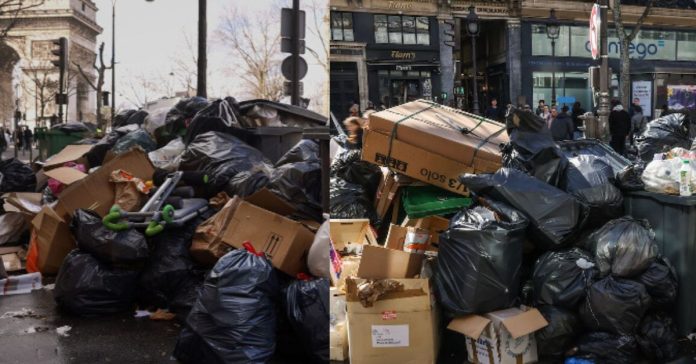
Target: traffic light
61,52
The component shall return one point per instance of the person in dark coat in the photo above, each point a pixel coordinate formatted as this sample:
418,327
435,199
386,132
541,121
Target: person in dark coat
561,124
493,112
619,127
577,112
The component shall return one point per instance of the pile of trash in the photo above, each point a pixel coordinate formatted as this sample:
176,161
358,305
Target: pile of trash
519,243
203,211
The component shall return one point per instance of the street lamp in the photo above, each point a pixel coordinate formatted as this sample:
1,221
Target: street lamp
553,31
202,47
472,28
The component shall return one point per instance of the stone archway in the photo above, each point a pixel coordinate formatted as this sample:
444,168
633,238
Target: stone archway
8,61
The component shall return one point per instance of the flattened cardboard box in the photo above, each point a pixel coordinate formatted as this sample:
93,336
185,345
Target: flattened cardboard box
420,164
71,153
401,327
380,263
285,242
440,130
501,337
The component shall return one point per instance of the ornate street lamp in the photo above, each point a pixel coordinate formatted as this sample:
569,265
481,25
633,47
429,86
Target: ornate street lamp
553,31
473,29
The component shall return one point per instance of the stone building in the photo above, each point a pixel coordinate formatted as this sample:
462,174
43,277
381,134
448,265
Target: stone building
514,62
28,79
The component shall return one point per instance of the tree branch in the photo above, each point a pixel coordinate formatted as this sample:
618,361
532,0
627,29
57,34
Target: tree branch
640,21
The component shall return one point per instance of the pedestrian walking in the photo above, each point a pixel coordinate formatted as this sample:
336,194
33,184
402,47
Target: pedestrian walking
561,124
18,137
576,113
540,109
546,115
619,127
354,127
493,112
354,110
3,142
637,122
28,138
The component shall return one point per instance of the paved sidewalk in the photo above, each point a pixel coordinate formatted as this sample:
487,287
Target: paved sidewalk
22,155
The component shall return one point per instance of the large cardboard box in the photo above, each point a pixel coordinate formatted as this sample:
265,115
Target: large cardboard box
94,192
401,327
501,337
71,153
451,133
351,231
286,242
379,263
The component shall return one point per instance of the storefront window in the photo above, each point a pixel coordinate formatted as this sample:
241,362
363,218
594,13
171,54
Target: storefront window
397,29
398,87
342,26
570,87
541,44
687,46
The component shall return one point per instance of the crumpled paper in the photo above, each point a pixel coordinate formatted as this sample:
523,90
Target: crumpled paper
371,290
130,190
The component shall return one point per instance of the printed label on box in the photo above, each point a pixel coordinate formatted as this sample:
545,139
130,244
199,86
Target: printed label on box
389,336
389,315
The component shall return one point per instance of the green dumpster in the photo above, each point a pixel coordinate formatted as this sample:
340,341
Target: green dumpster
53,141
674,220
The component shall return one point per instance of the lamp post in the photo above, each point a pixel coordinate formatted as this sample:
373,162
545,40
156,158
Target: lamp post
553,31
201,87
113,61
472,28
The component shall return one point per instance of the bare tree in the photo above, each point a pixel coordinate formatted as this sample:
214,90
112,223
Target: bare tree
318,28
10,11
42,85
185,62
625,40
141,89
257,43
97,86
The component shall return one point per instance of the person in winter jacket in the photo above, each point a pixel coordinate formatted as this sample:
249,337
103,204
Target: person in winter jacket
619,127
637,122
561,125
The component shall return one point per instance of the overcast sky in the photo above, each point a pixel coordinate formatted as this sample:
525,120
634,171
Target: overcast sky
150,35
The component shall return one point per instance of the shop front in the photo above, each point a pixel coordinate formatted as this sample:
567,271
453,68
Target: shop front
399,76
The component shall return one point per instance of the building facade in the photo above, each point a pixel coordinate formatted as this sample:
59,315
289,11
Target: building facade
514,56
28,79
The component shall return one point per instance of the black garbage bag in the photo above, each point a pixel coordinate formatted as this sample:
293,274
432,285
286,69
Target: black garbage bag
349,166
139,138
96,155
657,338
555,217
219,116
87,287
74,127
560,280
170,269
532,149
223,157
554,340
615,305
629,179
115,247
661,282
606,348
350,201
235,314
624,247
307,309
178,118
16,176
665,133
297,178
479,260
122,117
590,180
192,349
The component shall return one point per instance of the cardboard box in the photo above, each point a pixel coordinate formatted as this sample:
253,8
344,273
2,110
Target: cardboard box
418,163
351,231
440,130
286,242
380,263
9,257
435,224
71,153
401,327
94,192
501,337
66,175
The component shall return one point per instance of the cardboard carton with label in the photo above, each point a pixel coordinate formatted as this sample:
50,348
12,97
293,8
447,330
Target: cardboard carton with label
433,143
501,337
401,327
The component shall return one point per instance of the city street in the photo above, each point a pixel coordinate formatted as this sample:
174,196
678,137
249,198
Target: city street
22,155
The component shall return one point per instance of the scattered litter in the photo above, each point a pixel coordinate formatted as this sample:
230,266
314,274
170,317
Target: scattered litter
23,313
142,313
35,329
162,315
49,287
63,330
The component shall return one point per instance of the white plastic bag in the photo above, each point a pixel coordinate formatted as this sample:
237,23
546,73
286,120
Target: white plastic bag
169,156
318,256
662,176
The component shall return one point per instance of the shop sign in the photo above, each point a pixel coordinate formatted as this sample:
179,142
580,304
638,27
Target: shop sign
403,55
483,8
403,68
404,5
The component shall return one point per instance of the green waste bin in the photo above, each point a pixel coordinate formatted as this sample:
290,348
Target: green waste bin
53,141
674,220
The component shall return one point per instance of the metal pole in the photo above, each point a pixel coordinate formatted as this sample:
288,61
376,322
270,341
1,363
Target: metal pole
474,80
113,61
553,71
603,110
295,54
202,49
61,87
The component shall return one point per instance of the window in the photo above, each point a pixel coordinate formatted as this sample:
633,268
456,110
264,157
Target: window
541,44
83,7
687,46
402,29
342,26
